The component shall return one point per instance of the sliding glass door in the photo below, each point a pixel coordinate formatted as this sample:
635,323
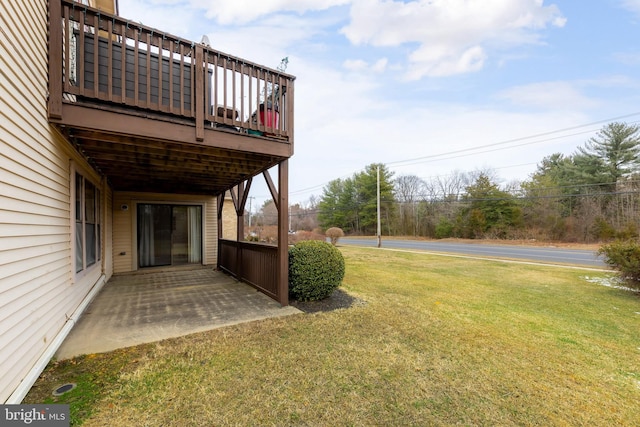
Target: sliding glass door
169,235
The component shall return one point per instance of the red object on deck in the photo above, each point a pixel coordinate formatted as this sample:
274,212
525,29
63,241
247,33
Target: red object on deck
269,116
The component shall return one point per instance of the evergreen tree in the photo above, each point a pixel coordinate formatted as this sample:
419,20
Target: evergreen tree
367,183
490,209
350,204
613,154
329,214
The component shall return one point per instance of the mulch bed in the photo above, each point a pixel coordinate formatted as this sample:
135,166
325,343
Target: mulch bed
338,299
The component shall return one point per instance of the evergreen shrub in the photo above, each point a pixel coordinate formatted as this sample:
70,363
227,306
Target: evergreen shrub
624,256
444,229
316,269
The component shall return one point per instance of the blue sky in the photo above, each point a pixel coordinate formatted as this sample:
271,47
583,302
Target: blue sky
428,87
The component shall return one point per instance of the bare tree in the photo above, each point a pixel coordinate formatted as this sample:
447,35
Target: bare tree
408,189
268,213
451,187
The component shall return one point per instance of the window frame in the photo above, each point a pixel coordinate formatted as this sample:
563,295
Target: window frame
203,227
84,261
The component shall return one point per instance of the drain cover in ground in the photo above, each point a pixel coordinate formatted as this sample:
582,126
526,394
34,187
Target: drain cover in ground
63,389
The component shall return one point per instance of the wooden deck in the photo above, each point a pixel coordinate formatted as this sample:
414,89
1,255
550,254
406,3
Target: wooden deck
155,112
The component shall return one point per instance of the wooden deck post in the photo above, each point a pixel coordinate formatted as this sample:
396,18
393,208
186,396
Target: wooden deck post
239,230
55,60
220,207
240,213
240,202
283,233
200,96
290,113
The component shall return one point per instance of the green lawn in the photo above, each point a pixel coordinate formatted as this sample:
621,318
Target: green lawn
441,341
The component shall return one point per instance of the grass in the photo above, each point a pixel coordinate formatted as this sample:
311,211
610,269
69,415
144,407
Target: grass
441,341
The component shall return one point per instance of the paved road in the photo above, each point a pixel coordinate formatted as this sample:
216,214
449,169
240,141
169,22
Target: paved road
531,253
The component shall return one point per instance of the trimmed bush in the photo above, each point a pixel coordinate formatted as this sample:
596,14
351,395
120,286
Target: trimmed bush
316,269
624,256
334,233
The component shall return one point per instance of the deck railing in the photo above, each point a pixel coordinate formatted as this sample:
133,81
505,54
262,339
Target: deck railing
253,263
106,58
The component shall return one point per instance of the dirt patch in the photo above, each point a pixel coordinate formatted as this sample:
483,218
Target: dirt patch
338,299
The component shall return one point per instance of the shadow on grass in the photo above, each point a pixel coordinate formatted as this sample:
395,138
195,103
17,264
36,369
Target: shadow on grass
338,299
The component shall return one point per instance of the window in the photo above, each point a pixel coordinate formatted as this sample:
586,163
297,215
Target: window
88,248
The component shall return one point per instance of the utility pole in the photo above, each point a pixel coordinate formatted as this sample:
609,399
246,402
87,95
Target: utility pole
250,199
378,200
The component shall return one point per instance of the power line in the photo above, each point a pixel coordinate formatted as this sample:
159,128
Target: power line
458,201
524,138
319,186
451,154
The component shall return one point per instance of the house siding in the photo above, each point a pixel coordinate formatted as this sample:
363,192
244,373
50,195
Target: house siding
229,220
107,252
210,232
38,287
123,243
124,228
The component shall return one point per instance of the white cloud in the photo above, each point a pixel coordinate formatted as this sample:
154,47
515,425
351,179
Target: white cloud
337,138
615,81
359,65
356,65
243,11
160,14
445,37
266,43
429,62
380,65
344,122
224,12
548,95
627,58
632,5
453,36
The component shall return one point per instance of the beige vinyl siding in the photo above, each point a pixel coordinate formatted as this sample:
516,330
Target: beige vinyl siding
124,226
210,232
122,234
229,220
107,225
38,289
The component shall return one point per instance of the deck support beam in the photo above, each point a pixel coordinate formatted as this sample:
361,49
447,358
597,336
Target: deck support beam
283,233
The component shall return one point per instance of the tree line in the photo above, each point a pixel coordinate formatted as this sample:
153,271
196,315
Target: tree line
588,196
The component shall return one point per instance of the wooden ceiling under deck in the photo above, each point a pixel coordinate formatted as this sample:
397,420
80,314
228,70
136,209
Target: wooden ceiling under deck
134,162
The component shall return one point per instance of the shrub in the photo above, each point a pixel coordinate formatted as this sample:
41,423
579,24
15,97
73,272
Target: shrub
624,256
630,231
316,269
444,229
602,230
334,233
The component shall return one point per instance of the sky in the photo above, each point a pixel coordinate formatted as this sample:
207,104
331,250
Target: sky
427,87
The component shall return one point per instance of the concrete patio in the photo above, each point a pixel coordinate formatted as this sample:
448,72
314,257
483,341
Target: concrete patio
154,305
